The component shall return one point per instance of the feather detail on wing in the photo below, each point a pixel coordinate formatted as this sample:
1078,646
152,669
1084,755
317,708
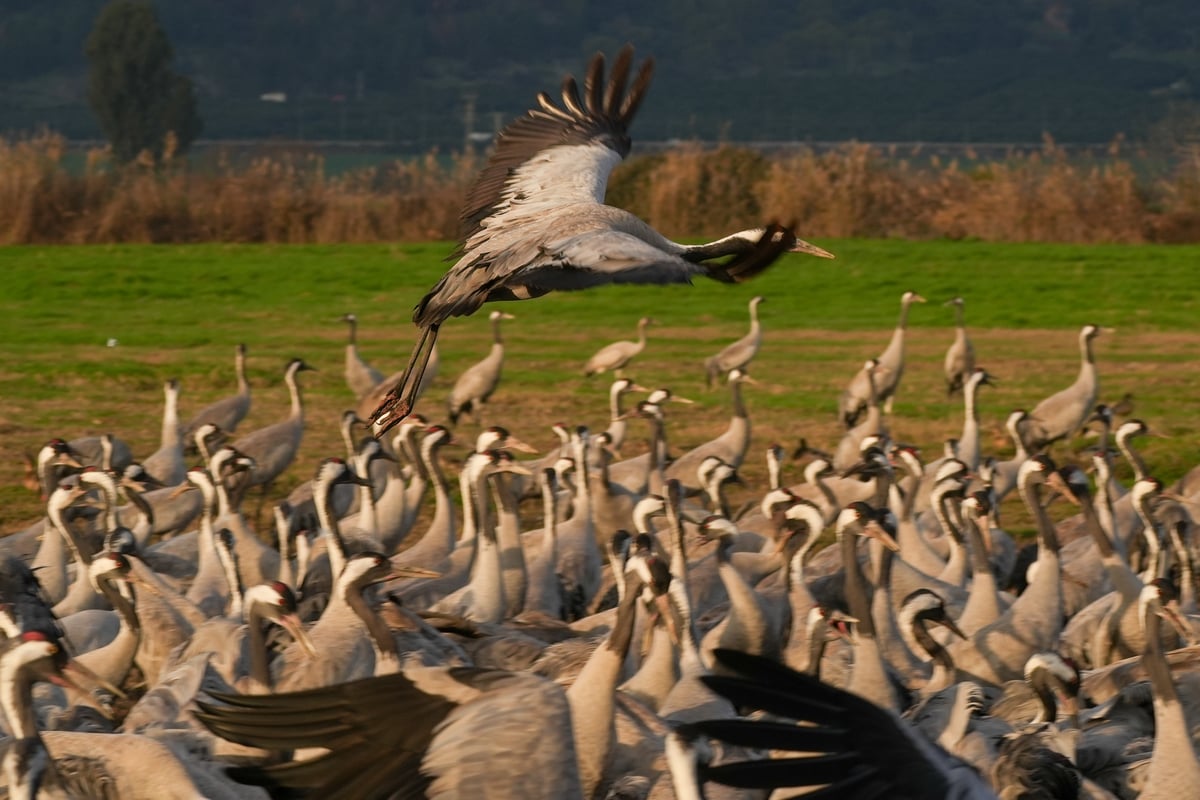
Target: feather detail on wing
592,128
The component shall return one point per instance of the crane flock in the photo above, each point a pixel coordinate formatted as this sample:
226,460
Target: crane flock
591,622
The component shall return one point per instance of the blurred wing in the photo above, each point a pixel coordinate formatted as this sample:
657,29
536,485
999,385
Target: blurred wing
559,154
868,751
376,731
514,741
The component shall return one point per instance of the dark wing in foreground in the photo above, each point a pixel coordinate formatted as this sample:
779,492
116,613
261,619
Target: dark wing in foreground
22,601
601,116
856,748
376,731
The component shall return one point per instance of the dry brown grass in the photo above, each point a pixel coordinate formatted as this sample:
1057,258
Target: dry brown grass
854,191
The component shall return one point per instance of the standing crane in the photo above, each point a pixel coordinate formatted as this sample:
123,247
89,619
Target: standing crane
361,377
535,220
475,386
856,397
739,354
1063,413
616,355
960,358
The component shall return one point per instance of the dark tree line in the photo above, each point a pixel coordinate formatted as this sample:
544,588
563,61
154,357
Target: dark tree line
820,68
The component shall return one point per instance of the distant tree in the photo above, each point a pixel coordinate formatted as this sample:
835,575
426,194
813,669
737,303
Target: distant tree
135,94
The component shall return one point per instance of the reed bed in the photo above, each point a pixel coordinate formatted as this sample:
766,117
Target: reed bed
855,190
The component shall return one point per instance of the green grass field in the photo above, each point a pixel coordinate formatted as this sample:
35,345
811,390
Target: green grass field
179,311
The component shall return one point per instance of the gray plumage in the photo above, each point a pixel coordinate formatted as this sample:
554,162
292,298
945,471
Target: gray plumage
274,447
166,464
475,386
1062,414
227,412
361,377
730,446
615,356
739,354
960,357
854,399
535,220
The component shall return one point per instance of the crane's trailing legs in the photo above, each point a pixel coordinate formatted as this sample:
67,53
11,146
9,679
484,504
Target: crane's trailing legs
398,403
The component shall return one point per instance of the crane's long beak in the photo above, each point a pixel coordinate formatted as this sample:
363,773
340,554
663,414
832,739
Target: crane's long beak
877,531
951,626
1055,481
513,443
413,572
839,623
291,623
77,676
1172,615
808,248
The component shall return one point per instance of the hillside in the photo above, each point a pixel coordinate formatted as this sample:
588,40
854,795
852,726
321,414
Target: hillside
1006,70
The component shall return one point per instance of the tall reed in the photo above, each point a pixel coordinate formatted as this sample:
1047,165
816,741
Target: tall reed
855,190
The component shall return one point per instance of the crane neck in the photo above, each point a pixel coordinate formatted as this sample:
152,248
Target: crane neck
1086,356
943,663
512,556
958,318
1099,536
229,567
1183,558
976,549
366,499
858,591
497,341
550,523
239,367
592,696
16,698
377,629
297,410
1154,661
774,473
487,576
951,526
970,386
335,546
120,603
583,488
1047,704
172,434
817,639
1047,535
260,666
739,405
1125,445
353,323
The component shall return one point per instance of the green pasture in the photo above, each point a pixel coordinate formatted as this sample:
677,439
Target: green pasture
178,311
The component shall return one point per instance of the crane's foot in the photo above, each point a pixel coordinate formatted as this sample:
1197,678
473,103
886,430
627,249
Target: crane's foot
391,412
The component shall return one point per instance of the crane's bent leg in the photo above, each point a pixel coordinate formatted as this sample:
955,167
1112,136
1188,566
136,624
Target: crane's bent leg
399,401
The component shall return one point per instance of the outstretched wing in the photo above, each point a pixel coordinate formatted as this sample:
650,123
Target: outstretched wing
555,155
856,748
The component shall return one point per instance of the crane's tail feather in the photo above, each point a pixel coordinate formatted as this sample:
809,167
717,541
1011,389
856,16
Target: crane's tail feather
398,403
775,241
